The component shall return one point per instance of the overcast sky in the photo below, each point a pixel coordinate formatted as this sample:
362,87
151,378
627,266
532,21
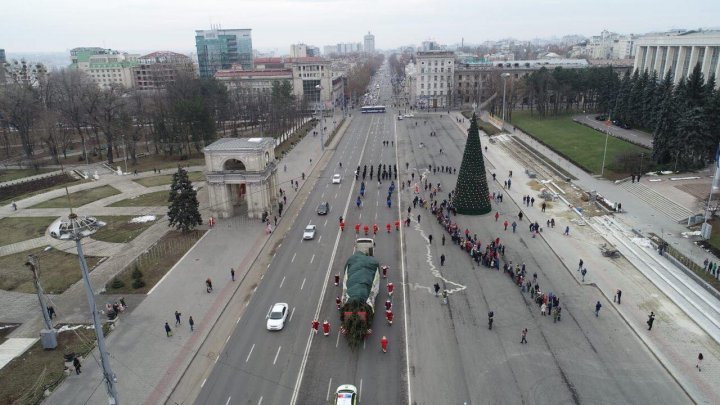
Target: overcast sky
135,25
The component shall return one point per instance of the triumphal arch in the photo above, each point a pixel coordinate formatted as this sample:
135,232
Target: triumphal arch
241,176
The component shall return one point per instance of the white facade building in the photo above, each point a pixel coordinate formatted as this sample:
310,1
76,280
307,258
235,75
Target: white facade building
679,53
369,43
435,79
298,51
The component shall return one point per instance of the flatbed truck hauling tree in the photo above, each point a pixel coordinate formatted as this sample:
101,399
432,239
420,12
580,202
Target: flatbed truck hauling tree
360,287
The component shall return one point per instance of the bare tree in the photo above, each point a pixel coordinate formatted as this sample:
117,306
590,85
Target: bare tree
108,116
71,87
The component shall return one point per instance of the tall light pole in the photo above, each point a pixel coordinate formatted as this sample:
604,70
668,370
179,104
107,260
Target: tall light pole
322,118
49,335
607,135
504,77
75,229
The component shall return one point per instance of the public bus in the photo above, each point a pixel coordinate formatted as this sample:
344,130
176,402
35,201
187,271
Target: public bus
373,109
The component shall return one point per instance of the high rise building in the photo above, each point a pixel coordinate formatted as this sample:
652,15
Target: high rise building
105,66
369,43
221,49
158,69
298,50
2,66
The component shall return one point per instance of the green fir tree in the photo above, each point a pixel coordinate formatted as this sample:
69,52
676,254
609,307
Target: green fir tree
183,212
471,192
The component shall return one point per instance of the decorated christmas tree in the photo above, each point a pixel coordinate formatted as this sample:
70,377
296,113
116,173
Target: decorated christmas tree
471,192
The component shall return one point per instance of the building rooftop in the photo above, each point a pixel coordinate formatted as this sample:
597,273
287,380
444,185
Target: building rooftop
253,73
233,144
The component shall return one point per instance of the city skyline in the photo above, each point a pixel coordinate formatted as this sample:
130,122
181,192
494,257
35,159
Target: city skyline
136,25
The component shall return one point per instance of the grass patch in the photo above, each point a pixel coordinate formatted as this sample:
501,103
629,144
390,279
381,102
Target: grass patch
120,230
156,199
58,271
581,145
18,229
21,191
154,263
79,198
150,162
334,132
26,377
486,127
166,179
10,175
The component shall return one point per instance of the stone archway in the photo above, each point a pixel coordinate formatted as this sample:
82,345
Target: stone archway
233,164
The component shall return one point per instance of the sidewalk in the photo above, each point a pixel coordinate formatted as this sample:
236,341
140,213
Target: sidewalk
149,364
676,338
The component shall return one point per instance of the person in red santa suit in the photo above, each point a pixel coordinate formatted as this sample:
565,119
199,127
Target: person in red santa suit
384,344
388,305
366,229
357,229
388,227
326,328
337,279
389,316
390,288
315,326
375,229
338,302
384,271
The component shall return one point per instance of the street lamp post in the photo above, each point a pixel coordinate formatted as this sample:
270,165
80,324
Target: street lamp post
322,119
49,340
504,76
75,229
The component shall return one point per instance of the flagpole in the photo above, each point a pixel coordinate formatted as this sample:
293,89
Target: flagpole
713,186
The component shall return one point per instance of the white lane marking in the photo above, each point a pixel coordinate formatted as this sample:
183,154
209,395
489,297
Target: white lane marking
217,358
291,314
238,321
320,238
377,203
327,397
203,383
360,391
360,217
228,401
376,216
260,401
303,363
276,355
323,194
303,284
312,259
228,338
336,195
251,350
293,259
282,282
325,224
337,341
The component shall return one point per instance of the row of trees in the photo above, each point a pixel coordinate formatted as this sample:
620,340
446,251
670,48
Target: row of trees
360,75
50,113
684,118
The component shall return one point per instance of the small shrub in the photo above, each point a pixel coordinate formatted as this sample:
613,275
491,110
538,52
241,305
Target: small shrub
138,283
117,283
137,274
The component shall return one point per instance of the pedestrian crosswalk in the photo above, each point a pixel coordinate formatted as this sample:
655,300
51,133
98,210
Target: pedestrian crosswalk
656,200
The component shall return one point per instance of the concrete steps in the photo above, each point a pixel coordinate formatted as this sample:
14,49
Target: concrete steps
658,201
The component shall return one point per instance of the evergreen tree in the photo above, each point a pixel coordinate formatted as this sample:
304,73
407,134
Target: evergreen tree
471,192
665,115
635,105
622,98
183,212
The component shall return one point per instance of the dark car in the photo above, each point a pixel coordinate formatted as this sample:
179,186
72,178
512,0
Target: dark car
602,117
323,208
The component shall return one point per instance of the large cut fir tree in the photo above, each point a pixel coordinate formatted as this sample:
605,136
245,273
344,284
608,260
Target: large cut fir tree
471,192
183,212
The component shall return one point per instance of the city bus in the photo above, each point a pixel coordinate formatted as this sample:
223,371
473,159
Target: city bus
373,109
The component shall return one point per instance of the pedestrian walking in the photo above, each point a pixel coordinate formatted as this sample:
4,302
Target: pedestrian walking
232,274
191,322
651,320
418,218
326,328
618,295
445,296
543,206
14,205
208,285
442,259
505,224
177,318
520,215
567,231
543,309
315,326
497,215
430,238
580,264
514,225
598,305
443,240
78,365
436,286
583,272
523,339
532,201
699,362
384,344
168,331
51,312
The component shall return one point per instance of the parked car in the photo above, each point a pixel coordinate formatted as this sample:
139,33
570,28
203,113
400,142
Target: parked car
309,232
276,316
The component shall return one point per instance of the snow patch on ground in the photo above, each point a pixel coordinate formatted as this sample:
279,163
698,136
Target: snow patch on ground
143,219
65,328
644,242
689,234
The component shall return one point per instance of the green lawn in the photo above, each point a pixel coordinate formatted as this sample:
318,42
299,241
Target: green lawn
118,229
8,175
582,145
79,198
58,271
167,179
156,199
18,229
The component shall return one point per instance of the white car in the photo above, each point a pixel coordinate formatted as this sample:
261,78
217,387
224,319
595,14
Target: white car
276,316
336,179
309,232
346,394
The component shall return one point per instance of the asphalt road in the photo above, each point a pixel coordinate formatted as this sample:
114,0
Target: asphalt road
258,366
639,137
455,359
